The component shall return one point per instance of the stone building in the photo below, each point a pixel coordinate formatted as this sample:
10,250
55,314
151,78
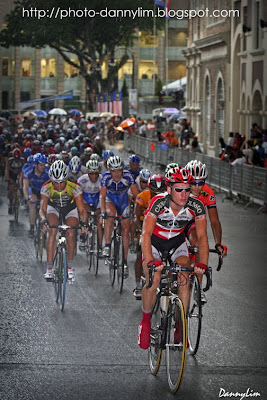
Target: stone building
226,62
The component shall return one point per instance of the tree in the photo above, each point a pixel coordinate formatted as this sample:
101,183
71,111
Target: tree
80,29
158,87
124,89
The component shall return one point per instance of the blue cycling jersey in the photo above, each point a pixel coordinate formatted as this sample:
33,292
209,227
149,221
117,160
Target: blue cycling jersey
135,173
117,192
36,182
26,167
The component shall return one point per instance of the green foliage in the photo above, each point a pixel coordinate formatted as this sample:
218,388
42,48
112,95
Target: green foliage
158,87
90,39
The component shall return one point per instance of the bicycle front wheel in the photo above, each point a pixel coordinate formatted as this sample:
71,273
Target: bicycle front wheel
120,262
176,344
63,275
155,349
111,261
93,251
194,316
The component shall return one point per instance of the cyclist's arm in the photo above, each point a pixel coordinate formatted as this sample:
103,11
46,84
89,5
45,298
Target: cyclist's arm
7,174
26,185
81,208
134,189
148,228
43,207
103,195
215,224
201,230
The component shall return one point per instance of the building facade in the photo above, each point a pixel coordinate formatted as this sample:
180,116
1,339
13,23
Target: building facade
226,62
29,73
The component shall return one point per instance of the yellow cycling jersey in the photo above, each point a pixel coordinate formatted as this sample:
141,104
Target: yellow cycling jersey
63,199
143,199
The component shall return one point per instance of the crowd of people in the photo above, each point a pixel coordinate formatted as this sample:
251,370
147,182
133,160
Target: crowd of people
65,173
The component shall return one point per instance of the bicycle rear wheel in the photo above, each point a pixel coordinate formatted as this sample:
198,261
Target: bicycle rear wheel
155,350
194,316
93,251
120,262
176,344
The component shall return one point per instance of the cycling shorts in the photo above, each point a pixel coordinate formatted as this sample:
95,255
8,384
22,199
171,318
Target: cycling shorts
73,213
121,203
92,200
176,247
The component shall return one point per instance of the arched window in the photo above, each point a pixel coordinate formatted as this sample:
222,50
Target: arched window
220,108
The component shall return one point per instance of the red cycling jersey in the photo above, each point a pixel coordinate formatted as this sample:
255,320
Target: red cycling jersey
207,197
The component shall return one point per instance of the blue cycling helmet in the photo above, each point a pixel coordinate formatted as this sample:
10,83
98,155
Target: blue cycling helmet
27,151
30,159
74,150
145,174
75,164
134,158
106,154
39,158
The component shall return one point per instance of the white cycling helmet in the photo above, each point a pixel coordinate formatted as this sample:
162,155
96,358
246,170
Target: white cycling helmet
93,166
115,163
75,164
58,171
95,156
197,169
145,174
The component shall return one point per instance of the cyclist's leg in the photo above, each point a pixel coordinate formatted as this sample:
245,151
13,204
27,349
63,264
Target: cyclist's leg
11,188
183,281
109,223
53,219
99,231
32,212
72,219
125,232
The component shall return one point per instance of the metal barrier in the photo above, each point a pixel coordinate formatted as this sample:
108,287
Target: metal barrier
237,181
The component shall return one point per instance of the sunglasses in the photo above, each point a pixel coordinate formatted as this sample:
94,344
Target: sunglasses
180,190
200,183
141,181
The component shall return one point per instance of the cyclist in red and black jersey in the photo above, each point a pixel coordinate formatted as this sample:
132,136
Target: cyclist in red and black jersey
203,192
163,229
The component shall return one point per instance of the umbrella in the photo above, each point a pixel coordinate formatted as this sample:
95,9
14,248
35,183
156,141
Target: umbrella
127,123
106,114
76,112
29,114
57,111
171,111
119,128
173,116
40,113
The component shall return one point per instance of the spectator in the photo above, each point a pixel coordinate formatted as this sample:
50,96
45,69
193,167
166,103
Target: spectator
195,145
222,145
261,151
248,153
231,140
239,158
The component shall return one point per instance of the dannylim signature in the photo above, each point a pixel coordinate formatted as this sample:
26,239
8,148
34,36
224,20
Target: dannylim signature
240,395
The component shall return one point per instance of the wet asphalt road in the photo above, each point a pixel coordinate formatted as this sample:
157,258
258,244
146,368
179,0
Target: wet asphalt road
90,351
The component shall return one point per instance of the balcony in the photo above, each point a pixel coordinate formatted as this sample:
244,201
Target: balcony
72,83
145,87
175,53
27,84
48,84
147,53
129,82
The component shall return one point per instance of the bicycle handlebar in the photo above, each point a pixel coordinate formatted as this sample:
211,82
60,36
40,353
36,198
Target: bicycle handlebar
173,267
63,227
195,250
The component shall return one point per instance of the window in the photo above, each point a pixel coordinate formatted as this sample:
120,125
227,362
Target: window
147,70
26,67
220,108
176,38
48,67
69,70
126,70
5,65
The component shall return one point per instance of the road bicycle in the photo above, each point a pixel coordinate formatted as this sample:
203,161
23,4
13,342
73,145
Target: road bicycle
92,242
116,261
39,235
60,267
168,323
194,315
